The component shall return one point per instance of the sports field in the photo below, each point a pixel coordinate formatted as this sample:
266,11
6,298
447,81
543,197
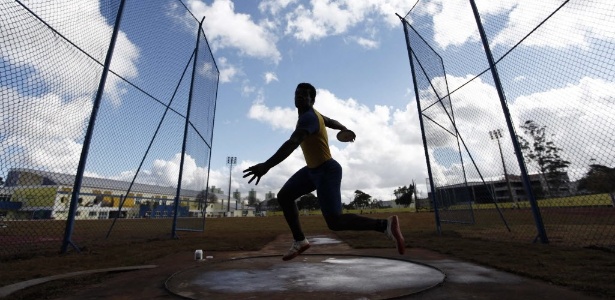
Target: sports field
588,270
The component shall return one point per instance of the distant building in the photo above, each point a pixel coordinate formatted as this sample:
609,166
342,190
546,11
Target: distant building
221,208
557,185
34,194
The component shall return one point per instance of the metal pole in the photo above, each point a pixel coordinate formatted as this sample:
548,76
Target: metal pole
70,222
228,202
230,160
418,104
186,126
542,234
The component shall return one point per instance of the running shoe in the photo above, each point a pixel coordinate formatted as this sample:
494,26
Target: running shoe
393,232
297,248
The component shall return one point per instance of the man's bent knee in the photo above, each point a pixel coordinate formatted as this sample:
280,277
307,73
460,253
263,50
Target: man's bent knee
334,222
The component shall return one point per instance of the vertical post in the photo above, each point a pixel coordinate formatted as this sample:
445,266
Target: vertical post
418,104
230,161
70,221
542,234
186,126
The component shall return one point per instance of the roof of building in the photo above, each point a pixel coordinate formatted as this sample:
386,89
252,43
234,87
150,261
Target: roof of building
53,178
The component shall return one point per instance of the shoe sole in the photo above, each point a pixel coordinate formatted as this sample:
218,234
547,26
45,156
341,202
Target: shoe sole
301,250
399,238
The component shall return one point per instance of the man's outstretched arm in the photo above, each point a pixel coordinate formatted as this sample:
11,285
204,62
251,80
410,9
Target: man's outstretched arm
333,124
258,170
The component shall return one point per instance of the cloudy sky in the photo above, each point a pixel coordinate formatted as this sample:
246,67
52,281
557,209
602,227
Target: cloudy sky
354,53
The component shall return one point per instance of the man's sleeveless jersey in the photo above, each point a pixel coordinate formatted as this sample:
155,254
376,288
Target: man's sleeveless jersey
315,147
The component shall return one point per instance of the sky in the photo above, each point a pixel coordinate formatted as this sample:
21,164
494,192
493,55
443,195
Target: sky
354,53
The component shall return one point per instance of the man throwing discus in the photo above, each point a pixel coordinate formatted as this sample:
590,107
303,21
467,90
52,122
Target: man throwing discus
321,173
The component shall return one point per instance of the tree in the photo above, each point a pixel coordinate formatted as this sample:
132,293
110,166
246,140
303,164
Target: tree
212,198
252,200
200,198
272,204
347,206
1,181
544,154
361,199
308,201
403,195
599,179
377,203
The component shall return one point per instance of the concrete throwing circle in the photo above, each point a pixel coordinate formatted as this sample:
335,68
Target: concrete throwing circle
307,276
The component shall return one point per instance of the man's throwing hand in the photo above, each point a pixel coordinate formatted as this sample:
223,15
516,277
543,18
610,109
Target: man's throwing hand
256,171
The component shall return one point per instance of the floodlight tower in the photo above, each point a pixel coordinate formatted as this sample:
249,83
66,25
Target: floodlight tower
230,161
497,135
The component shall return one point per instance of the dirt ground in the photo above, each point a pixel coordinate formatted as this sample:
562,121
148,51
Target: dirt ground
463,280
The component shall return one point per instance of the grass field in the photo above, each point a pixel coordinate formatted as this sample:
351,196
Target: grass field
596,200
589,270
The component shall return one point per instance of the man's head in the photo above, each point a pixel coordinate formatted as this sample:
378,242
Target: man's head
305,95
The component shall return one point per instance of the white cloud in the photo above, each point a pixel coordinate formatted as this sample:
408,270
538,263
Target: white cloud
63,69
166,172
577,118
284,118
208,70
227,70
247,89
274,6
270,76
573,25
453,21
324,17
63,83
366,43
227,29
36,137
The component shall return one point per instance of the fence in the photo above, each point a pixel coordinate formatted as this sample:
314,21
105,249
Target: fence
516,102
106,122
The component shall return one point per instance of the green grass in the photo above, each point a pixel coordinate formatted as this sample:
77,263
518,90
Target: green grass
352,211
596,200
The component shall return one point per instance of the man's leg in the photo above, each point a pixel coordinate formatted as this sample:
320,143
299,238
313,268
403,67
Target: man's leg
340,222
297,185
328,179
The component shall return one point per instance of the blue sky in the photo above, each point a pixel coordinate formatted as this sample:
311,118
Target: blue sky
354,53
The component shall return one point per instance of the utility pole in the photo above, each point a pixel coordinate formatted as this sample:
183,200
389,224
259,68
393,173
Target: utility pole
497,135
230,161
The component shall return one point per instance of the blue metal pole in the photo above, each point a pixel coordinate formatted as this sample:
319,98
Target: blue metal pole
542,234
70,222
418,104
186,126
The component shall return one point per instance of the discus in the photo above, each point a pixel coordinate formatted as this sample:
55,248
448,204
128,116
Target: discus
346,136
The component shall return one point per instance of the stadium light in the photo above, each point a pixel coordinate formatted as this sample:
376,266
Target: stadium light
497,135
